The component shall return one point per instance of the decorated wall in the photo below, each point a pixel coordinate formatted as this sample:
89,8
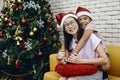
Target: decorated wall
106,14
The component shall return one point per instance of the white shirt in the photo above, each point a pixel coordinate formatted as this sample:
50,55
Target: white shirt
88,51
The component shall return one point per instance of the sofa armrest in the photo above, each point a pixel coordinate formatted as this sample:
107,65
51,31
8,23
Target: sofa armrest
53,61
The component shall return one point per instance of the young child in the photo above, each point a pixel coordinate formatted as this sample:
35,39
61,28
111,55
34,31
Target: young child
86,20
91,53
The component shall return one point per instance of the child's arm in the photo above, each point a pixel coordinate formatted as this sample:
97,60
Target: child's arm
83,40
61,52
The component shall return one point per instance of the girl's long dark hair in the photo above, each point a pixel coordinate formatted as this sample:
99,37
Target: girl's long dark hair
68,37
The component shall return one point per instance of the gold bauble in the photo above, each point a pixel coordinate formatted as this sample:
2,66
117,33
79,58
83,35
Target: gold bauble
34,29
31,33
5,19
19,1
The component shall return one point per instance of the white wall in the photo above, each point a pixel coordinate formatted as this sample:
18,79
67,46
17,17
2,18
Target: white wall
1,2
106,14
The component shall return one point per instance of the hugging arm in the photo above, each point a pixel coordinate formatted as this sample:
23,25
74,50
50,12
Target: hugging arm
102,60
83,40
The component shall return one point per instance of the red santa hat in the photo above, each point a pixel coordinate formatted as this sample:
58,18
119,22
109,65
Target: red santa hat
83,11
62,16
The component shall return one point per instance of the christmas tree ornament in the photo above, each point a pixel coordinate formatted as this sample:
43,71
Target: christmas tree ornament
5,54
17,63
50,29
49,21
55,36
45,38
11,11
31,33
5,19
18,39
8,36
18,31
1,35
34,29
24,45
49,10
34,70
56,28
19,1
40,53
8,63
20,7
10,24
23,21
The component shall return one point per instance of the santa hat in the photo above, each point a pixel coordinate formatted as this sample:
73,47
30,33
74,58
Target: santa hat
83,11
62,16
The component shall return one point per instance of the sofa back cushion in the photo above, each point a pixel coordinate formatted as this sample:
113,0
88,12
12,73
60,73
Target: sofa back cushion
114,53
53,61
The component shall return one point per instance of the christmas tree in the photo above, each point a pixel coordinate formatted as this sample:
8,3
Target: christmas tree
28,35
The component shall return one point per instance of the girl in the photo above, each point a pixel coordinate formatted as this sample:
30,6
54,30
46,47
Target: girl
91,53
86,20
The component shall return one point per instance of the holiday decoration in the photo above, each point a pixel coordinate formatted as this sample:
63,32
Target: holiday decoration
23,21
17,64
1,34
28,35
40,53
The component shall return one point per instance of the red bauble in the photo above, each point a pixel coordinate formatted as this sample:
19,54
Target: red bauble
50,29
45,38
49,10
40,53
56,29
55,36
49,21
24,45
17,64
20,7
23,21
10,24
1,35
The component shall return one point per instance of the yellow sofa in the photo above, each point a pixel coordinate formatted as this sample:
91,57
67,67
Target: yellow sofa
114,71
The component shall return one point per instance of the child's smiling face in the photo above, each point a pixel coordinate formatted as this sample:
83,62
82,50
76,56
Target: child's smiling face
84,20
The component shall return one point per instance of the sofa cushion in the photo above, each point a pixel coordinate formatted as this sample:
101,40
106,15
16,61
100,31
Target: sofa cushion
52,75
75,69
114,53
114,77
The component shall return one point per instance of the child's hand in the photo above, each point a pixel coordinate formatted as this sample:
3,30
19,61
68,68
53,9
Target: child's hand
63,61
60,55
74,58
